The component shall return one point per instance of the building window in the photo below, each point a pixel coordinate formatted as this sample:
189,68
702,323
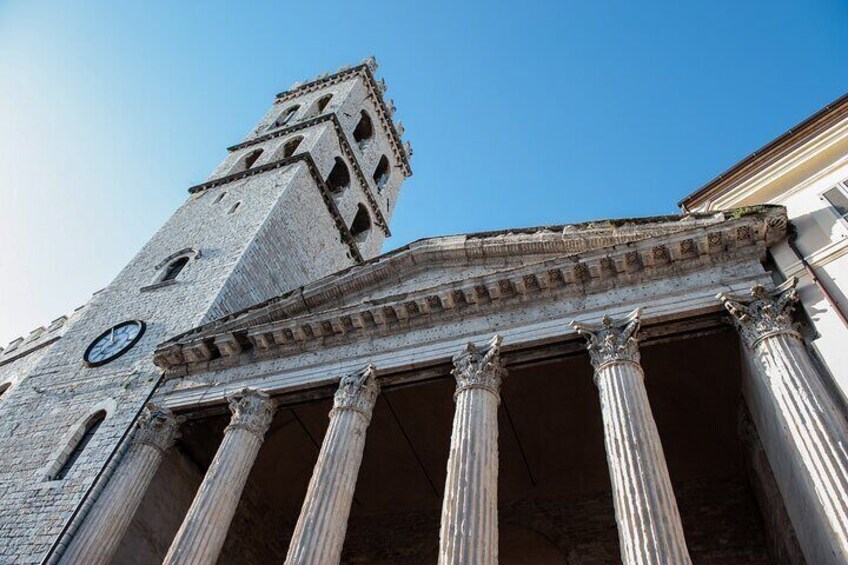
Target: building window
364,130
3,388
321,104
837,197
339,178
170,268
219,197
251,158
90,429
173,270
361,224
291,146
285,117
234,208
381,173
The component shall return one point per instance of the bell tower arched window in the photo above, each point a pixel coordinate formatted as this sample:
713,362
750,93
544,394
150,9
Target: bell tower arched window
174,269
285,117
361,223
381,173
321,104
364,130
91,428
251,158
339,178
291,146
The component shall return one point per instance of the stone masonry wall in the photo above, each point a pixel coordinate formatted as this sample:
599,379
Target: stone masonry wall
241,256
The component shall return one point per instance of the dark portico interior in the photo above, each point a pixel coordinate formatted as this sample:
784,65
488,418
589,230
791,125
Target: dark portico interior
555,502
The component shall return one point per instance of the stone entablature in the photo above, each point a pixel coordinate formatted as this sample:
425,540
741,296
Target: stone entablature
699,245
766,224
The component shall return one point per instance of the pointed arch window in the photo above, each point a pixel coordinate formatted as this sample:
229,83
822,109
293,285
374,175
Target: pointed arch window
82,442
174,269
339,178
3,388
364,130
251,158
291,146
361,223
321,104
285,117
381,173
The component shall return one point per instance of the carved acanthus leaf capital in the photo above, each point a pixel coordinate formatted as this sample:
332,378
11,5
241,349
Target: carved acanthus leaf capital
157,427
612,341
765,312
252,410
480,367
358,391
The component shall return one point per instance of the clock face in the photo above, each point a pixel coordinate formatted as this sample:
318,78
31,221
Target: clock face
113,343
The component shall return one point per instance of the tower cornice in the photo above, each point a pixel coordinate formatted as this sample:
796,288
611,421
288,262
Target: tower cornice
316,175
347,148
375,92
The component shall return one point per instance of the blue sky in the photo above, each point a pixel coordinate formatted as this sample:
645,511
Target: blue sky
520,114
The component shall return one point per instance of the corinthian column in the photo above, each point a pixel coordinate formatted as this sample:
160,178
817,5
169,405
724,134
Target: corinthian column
809,454
320,531
204,529
469,531
649,528
97,540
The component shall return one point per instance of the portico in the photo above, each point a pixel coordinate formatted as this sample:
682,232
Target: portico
522,441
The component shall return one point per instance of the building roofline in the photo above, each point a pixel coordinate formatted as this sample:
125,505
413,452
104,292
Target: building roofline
441,247
769,153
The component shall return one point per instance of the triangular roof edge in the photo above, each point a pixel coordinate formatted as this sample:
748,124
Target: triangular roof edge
539,241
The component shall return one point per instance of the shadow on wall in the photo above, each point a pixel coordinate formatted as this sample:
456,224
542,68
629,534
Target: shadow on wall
820,229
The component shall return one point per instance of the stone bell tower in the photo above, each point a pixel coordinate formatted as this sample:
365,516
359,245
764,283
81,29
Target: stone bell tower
309,192
326,163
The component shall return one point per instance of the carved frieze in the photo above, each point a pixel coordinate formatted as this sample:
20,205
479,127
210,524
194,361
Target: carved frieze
479,367
765,312
613,341
298,315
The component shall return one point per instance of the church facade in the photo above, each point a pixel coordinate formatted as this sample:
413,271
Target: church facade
261,385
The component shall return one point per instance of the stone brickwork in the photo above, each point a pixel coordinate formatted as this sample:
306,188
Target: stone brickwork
284,233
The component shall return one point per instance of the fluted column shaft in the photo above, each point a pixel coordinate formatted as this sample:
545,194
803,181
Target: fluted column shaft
204,529
649,526
817,431
469,528
97,540
320,531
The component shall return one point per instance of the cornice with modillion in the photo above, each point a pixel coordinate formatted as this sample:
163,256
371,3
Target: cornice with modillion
587,273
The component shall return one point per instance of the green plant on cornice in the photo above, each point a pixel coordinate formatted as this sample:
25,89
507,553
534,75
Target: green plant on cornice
743,211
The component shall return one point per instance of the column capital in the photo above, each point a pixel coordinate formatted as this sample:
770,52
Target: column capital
157,427
357,392
252,410
479,367
612,341
766,312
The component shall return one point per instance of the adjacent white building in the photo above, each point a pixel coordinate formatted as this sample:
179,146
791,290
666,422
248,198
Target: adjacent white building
805,170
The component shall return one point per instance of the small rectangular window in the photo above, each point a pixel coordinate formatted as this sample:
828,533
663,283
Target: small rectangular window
838,199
